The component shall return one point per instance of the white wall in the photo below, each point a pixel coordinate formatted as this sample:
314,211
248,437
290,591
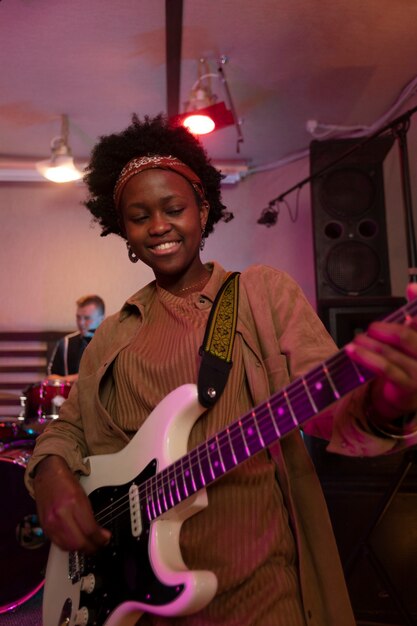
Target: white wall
286,245
51,253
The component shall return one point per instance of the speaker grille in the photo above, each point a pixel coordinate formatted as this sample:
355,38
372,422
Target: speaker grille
347,193
352,268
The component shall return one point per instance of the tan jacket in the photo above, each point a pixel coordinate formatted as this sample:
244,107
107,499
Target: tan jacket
282,339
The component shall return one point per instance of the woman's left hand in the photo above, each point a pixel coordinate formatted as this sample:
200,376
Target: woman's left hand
390,351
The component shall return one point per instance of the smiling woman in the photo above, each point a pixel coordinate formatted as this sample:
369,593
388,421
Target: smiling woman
262,552
167,211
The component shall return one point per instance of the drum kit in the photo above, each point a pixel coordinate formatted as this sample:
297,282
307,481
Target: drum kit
23,545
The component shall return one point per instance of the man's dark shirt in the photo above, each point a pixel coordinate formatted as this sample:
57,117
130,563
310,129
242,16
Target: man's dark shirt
67,355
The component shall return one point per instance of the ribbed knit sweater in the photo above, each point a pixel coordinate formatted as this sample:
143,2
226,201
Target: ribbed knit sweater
259,571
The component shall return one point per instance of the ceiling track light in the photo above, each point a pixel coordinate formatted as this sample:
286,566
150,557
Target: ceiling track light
60,168
203,114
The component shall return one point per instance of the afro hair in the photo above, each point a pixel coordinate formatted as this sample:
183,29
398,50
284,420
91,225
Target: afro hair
148,137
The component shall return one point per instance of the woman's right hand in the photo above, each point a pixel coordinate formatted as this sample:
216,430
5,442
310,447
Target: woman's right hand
64,510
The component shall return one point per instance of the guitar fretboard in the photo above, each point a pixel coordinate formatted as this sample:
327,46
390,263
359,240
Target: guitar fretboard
272,420
283,412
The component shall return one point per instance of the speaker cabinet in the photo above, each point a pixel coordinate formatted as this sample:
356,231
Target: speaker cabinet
373,507
348,202
346,317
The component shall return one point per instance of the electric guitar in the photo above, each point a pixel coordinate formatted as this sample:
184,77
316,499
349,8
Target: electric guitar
144,493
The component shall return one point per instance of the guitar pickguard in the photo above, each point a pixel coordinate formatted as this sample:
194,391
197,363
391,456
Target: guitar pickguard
123,569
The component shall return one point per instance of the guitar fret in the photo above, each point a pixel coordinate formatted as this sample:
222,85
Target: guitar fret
163,500
310,397
148,500
358,373
331,383
274,422
220,455
203,479
193,479
158,493
174,485
153,509
177,474
184,481
251,434
215,458
163,491
287,400
321,392
213,475
239,444
286,421
231,447
266,424
170,481
344,374
244,439
189,473
257,428
299,402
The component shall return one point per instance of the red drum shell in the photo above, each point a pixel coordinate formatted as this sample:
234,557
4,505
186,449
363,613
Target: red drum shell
41,403
23,548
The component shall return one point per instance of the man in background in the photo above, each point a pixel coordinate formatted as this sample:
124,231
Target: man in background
65,360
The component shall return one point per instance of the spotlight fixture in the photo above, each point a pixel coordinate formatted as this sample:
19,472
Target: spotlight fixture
269,216
203,114
60,167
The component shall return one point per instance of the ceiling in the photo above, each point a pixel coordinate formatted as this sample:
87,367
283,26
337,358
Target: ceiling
341,62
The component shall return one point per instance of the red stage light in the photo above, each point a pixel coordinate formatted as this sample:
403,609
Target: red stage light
219,115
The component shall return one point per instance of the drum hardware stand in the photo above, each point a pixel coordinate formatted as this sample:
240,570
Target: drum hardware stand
364,548
400,130
21,416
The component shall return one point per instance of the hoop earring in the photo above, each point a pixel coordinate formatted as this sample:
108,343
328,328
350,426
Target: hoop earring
133,258
203,239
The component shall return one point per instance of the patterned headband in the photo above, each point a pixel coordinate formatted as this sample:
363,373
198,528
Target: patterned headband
139,164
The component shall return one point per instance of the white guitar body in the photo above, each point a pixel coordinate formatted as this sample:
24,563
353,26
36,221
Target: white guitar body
162,438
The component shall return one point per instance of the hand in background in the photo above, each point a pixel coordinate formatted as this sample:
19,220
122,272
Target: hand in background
390,351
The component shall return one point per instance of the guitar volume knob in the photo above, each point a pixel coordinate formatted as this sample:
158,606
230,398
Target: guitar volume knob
81,617
88,583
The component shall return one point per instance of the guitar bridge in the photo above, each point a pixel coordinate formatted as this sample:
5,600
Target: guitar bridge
135,518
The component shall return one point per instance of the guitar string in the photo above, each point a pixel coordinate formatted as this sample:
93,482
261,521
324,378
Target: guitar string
263,417
151,485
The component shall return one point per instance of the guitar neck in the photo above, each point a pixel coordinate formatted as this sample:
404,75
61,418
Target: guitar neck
285,411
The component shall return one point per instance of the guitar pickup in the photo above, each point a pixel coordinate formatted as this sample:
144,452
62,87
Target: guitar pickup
76,565
135,517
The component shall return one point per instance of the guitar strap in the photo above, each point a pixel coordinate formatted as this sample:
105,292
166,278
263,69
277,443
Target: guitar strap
218,341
